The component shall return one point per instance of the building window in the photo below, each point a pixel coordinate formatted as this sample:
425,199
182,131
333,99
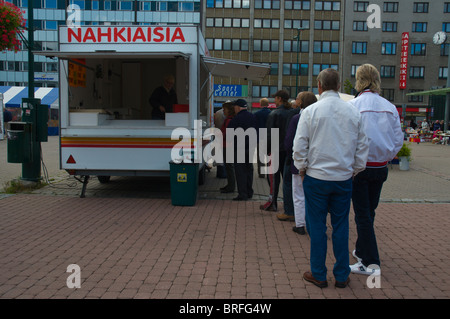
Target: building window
446,26
419,26
327,6
267,23
273,69
359,48
444,49
388,94
417,72
319,67
326,47
51,25
297,5
443,73
354,68
291,46
360,26
390,7
296,24
360,6
267,4
418,49
326,25
265,45
389,26
79,3
447,7
292,69
389,48
415,98
50,4
387,71
420,7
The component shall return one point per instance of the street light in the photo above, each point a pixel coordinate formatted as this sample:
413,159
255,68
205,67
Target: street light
298,64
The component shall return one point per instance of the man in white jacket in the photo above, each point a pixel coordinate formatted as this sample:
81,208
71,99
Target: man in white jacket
381,123
330,148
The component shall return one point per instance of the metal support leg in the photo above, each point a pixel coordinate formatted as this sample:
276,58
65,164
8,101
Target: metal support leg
85,182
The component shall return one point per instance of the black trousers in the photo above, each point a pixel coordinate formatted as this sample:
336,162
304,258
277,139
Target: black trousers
244,179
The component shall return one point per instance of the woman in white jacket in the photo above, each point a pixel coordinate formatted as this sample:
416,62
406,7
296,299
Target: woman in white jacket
381,124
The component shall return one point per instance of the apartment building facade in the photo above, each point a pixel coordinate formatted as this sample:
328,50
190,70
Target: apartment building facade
426,63
49,14
297,38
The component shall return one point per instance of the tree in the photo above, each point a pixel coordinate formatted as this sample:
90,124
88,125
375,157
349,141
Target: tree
11,25
348,87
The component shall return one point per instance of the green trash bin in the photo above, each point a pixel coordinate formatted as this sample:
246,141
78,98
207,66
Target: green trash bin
19,142
183,183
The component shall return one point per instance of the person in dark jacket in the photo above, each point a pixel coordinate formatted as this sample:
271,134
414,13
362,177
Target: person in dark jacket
163,98
243,168
277,119
261,120
228,110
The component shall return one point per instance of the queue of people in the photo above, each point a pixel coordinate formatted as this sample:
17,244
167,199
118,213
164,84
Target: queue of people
332,154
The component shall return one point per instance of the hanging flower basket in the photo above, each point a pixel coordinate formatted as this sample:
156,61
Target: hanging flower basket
11,24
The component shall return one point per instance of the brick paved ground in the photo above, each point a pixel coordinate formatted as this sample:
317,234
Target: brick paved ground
130,242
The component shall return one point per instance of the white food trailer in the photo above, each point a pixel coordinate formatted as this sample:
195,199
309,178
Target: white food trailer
107,74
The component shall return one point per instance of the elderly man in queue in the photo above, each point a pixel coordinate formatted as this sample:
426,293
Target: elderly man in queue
243,149
381,124
330,148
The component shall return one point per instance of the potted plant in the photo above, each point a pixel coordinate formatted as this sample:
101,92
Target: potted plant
11,24
404,157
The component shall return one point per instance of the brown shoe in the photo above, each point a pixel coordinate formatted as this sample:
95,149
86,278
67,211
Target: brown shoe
308,276
284,217
342,284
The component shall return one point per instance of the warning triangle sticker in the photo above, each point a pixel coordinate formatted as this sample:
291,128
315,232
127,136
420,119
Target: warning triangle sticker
71,160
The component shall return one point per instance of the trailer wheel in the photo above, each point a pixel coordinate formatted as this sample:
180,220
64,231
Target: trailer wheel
104,179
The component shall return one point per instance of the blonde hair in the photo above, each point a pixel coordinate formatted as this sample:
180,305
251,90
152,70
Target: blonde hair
264,102
368,77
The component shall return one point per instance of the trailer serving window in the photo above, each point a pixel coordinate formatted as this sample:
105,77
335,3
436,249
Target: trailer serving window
111,89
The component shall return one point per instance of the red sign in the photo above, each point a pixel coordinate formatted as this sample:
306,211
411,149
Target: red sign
404,60
125,34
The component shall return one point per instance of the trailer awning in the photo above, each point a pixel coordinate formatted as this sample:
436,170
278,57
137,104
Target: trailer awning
111,54
13,95
236,69
443,91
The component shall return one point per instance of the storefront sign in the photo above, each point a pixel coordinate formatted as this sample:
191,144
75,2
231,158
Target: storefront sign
404,60
127,34
230,90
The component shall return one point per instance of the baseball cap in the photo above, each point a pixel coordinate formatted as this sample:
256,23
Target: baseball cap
240,103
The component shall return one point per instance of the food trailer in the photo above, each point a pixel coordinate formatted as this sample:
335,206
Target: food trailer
107,75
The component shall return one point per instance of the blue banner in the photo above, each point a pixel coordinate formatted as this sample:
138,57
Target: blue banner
230,90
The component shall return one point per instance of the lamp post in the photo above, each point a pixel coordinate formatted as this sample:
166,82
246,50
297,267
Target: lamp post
298,64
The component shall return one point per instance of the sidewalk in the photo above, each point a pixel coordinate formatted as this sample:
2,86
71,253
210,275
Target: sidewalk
130,242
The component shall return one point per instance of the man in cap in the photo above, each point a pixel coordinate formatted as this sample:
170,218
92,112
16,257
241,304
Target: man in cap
243,149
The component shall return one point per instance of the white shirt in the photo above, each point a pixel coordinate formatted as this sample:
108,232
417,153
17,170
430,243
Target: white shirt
330,143
381,123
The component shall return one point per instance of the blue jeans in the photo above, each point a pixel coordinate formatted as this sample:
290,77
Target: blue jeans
366,196
321,197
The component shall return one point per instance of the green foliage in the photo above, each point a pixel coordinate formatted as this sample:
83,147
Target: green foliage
11,23
405,151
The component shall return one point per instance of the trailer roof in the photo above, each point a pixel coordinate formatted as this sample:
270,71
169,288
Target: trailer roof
236,69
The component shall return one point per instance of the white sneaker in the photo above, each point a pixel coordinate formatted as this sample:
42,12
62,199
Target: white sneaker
357,258
359,268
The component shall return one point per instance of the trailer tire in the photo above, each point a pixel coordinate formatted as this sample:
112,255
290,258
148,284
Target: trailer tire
104,179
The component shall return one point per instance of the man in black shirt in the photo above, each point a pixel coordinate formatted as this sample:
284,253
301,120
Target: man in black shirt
163,98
